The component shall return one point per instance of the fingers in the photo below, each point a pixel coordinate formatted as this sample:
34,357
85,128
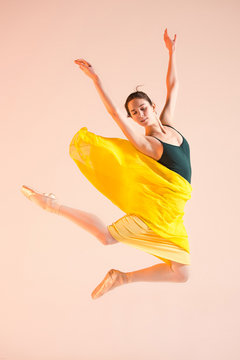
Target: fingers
82,62
78,61
167,37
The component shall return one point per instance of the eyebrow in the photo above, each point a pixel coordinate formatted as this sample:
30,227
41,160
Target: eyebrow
134,109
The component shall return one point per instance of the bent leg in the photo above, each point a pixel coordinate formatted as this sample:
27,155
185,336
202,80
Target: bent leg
158,272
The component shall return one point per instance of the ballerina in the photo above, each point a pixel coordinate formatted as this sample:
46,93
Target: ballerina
147,176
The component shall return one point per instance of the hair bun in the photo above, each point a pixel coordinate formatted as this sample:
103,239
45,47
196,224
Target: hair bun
137,87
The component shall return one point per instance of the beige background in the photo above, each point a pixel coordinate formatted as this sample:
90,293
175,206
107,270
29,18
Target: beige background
48,265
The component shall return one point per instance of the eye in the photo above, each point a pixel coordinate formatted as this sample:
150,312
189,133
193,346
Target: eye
143,108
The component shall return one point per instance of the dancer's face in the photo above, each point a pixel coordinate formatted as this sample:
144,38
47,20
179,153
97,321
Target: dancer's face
142,112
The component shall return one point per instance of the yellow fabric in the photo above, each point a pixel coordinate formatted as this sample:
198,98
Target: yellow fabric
134,182
132,231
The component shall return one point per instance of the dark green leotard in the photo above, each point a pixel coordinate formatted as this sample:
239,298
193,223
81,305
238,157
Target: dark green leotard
177,158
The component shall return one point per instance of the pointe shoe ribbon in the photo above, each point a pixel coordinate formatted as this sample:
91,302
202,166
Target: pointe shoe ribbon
47,201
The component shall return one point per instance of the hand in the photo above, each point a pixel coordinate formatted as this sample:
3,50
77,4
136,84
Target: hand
170,44
86,68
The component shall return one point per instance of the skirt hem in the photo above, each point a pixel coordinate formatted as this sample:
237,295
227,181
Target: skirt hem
131,230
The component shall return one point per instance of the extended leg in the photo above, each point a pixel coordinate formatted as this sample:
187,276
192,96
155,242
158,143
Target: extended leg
87,221
161,272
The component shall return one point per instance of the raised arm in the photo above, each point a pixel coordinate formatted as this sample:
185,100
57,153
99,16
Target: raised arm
111,108
125,124
166,116
89,71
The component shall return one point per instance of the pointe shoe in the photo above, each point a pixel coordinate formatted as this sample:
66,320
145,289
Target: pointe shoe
113,279
46,201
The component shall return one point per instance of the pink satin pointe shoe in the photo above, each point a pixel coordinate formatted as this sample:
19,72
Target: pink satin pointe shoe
113,279
46,201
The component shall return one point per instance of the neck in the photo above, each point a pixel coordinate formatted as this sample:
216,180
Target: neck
154,128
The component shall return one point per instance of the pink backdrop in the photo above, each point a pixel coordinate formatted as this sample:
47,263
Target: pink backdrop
48,265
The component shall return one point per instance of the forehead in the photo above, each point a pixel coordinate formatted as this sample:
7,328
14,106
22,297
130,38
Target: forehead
135,103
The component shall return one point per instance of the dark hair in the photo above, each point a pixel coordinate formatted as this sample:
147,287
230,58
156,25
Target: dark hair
136,95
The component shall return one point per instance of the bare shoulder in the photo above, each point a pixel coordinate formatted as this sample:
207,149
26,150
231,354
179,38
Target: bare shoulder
152,147
148,145
167,121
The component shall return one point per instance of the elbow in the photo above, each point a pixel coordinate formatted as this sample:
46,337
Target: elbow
173,86
172,83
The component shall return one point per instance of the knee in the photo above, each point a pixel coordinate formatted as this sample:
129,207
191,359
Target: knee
107,239
184,277
182,271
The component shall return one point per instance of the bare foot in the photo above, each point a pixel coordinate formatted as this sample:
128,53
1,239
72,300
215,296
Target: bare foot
45,201
113,279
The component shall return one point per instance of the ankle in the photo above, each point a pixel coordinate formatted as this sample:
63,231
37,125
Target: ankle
127,277
53,207
58,209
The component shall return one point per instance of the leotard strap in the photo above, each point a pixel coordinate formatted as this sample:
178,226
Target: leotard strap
174,129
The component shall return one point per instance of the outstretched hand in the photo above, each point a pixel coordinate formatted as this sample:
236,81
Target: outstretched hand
86,68
170,44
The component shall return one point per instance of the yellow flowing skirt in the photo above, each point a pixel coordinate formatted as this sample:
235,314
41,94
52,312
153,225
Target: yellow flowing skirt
152,196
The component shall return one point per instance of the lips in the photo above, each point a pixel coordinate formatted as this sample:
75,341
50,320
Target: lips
143,120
